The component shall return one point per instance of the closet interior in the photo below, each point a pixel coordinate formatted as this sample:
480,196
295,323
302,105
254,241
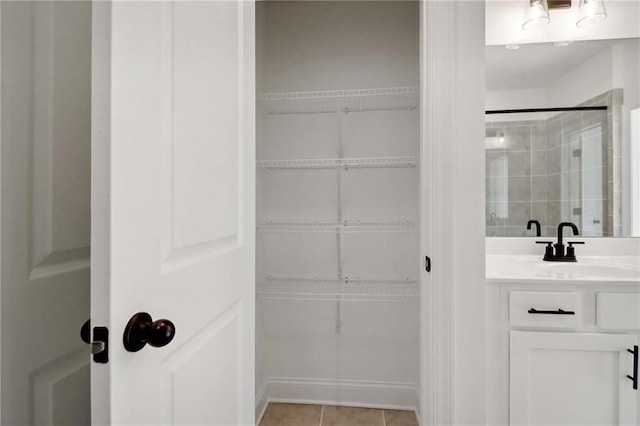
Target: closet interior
337,203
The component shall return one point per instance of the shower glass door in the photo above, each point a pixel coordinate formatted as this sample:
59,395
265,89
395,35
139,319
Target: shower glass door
555,168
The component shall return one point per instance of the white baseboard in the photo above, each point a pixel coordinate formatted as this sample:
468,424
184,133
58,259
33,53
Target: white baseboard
261,401
387,395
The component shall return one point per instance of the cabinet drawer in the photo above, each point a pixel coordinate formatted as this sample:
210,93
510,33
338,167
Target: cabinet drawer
545,309
618,311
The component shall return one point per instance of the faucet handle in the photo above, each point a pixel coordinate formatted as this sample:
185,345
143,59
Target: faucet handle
571,252
548,250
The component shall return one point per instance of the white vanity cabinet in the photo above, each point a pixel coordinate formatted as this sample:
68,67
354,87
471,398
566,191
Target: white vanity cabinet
560,353
571,379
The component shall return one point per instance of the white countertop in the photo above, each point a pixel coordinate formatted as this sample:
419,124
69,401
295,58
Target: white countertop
600,260
520,268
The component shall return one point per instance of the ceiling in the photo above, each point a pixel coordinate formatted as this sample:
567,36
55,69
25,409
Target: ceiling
536,66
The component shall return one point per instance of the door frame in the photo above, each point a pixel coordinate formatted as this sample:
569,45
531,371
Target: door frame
452,228
452,301
1,210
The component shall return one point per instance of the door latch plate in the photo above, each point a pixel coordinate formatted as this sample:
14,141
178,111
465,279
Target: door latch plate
101,335
100,343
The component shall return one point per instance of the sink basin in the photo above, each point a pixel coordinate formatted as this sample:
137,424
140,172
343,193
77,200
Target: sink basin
586,270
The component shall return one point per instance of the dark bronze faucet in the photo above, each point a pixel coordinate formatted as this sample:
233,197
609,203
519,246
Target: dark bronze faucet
537,224
559,255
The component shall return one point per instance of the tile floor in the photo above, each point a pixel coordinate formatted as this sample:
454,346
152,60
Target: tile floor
329,415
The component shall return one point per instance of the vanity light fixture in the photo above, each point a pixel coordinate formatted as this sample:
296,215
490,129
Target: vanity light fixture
536,16
591,12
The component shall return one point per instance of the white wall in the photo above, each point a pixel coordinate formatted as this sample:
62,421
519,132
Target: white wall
583,82
261,39
340,45
626,60
514,99
467,211
612,68
586,81
505,99
634,173
626,70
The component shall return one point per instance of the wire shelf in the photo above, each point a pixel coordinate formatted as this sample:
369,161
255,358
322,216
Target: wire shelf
357,290
335,163
360,100
338,227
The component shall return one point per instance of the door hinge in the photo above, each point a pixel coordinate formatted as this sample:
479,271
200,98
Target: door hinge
427,263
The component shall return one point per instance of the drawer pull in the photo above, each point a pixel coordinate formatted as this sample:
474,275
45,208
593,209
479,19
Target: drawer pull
634,378
558,312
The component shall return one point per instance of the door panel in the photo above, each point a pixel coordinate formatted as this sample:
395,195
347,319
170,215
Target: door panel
201,162
176,172
46,95
571,379
205,118
201,364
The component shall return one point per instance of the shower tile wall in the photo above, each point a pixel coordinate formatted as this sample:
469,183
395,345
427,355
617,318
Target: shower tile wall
613,99
577,172
516,176
565,168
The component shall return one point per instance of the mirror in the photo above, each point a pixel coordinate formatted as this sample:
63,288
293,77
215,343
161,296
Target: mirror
552,165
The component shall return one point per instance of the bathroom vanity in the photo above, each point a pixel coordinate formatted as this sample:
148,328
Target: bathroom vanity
562,338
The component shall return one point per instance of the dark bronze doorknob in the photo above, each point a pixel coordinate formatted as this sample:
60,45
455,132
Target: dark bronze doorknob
141,329
85,331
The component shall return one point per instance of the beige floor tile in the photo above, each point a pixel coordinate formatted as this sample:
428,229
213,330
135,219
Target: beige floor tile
400,418
291,415
351,416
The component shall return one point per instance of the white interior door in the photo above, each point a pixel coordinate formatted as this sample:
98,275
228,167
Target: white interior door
173,231
46,96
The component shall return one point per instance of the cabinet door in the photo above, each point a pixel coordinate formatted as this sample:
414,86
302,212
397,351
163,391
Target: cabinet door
572,379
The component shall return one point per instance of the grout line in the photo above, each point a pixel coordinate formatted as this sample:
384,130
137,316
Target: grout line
384,420
321,415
